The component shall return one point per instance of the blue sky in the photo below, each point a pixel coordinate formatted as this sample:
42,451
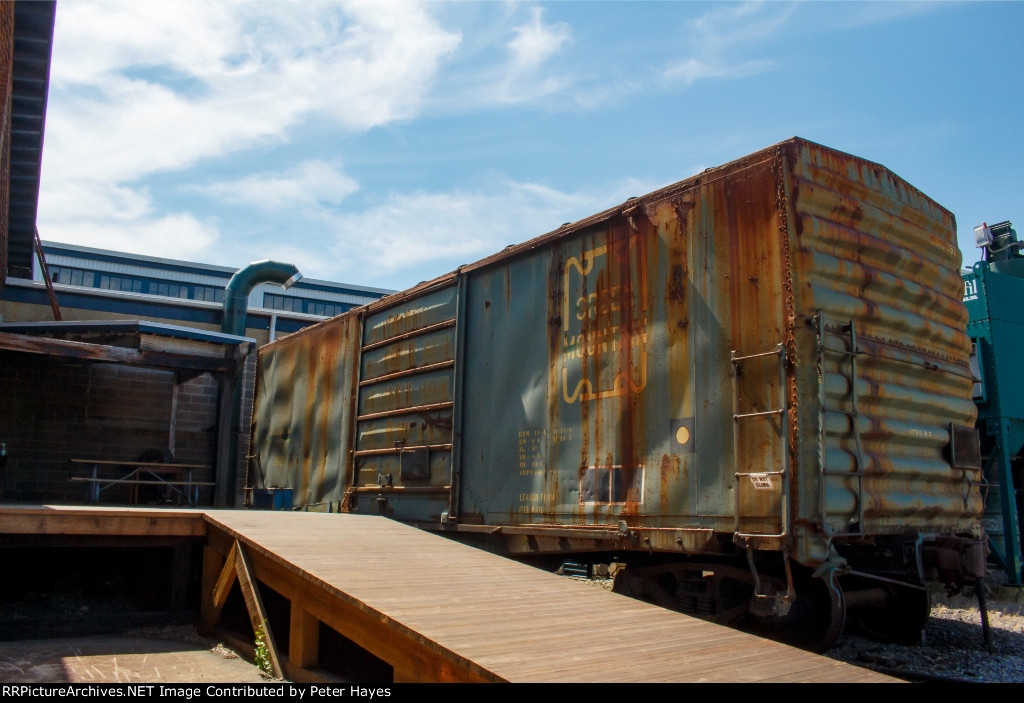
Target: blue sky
384,143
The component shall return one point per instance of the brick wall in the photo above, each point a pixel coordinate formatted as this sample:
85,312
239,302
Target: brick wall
54,410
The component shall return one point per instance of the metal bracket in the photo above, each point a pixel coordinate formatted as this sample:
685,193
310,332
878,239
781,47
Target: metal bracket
773,603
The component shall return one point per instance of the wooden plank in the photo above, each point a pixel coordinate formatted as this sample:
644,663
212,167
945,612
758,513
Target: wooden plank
170,467
105,521
496,643
139,481
103,353
226,578
257,613
213,565
304,637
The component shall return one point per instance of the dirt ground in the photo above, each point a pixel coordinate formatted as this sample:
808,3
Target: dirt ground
153,655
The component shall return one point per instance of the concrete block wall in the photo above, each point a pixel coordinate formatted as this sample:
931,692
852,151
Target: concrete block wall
54,410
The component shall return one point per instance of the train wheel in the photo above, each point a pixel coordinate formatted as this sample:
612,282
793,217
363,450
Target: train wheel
901,620
815,620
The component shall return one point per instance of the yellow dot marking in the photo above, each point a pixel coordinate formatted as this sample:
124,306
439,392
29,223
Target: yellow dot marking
682,435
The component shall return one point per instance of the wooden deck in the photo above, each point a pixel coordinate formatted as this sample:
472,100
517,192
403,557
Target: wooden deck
436,610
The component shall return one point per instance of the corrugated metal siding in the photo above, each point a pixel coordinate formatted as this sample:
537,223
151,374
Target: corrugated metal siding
598,368
302,414
869,248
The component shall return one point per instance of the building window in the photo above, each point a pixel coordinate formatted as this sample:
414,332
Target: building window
290,303
170,290
135,284
208,293
70,276
124,283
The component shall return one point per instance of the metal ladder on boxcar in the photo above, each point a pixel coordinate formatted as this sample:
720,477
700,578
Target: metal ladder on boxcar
848,333
776,602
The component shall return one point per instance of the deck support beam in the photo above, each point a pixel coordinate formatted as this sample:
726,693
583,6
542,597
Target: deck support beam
253,602
235,567
304,637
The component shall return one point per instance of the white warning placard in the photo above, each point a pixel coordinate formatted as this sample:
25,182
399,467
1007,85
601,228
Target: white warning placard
762,482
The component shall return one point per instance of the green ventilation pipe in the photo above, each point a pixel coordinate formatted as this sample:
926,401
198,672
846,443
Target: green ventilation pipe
236,307
236,295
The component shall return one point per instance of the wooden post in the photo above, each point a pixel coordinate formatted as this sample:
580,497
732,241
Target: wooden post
304,640
225,433
174,414
218,576
209,612
181,566
257,613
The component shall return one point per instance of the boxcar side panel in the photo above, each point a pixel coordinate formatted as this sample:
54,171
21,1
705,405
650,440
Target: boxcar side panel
598,369
406,406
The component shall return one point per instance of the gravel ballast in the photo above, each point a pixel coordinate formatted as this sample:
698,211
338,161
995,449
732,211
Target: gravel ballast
953,645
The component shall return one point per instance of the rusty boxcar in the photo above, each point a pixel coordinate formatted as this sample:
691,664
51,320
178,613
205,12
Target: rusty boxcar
752,387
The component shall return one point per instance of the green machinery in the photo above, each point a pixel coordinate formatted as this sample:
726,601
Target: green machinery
994,296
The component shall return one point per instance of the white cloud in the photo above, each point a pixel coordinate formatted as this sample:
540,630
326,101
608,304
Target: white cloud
177,236
308,183
871,13
123,219
510,58
442,230
690,70
716,39
139,88
531,48
536,42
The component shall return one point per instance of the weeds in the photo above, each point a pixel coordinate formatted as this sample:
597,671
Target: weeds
263,653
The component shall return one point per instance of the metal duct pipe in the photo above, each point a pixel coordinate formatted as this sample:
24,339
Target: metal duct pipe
236,295
236,307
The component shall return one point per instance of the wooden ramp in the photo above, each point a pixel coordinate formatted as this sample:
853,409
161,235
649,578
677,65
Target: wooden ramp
437,610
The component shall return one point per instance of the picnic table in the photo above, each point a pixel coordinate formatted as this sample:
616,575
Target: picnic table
174,477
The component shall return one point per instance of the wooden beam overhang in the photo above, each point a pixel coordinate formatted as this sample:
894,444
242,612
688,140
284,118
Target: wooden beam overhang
85,351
